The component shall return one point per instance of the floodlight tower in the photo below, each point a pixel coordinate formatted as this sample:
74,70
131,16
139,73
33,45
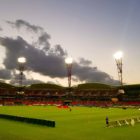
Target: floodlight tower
118,58
21,64
68,62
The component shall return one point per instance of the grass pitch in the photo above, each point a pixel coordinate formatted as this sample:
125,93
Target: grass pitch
82,123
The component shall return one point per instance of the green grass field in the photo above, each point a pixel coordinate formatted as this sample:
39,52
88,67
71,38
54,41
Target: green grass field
82,123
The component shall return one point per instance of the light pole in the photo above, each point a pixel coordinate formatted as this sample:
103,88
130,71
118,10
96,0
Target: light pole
21,64
68,62
118,58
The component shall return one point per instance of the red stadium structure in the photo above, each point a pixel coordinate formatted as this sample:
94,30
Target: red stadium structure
104,97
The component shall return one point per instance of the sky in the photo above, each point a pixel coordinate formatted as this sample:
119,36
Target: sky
90,31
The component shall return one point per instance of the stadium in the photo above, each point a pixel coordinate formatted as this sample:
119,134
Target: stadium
78,112
59,79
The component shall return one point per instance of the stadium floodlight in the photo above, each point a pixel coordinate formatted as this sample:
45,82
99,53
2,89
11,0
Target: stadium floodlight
118,58
68,62
21,64
22,60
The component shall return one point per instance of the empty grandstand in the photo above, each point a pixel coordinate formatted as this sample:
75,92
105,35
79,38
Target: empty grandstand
89,94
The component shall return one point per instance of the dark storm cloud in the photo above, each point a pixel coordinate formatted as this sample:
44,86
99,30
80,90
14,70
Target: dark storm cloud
51,65
1,29
21,23
92,74
84,62
59,50
43,37
47,60
5,74
14,49
43,40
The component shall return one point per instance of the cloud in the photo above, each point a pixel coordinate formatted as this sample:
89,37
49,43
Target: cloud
5,74
25,82
1,29
59,50
47,60
37,60
92,74
85,62
16,79
22,23
42,36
